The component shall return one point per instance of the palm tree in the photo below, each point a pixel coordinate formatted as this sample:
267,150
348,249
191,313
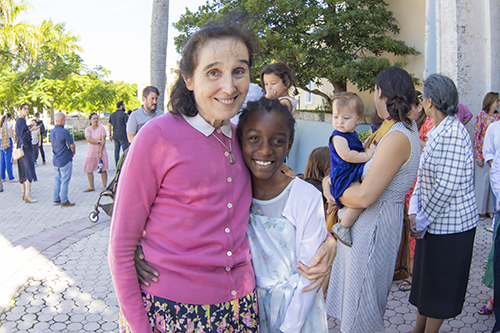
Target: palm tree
159,37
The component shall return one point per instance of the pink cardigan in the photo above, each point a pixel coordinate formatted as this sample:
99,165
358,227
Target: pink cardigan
178,187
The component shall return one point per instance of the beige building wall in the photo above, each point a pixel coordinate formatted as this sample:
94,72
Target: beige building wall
411,21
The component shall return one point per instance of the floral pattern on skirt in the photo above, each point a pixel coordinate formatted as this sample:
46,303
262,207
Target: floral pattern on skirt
240,315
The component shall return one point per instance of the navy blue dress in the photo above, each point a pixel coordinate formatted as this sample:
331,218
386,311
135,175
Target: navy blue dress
344,173
26,164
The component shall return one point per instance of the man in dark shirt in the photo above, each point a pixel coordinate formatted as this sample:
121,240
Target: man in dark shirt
39,123
63,148
117,129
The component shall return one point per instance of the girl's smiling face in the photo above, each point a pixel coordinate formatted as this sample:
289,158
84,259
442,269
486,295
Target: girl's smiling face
265,143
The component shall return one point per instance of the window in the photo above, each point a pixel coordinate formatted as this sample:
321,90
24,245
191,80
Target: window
309,96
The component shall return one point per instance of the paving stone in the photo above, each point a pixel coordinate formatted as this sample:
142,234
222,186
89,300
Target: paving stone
405,328
41,326
57,326
91,326
75,327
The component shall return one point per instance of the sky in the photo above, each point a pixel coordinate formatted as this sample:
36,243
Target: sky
114,34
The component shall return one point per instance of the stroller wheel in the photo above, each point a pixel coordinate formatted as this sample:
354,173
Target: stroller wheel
94,216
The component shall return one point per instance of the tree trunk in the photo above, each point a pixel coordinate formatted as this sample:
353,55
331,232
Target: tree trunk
339,87
159,37
52,112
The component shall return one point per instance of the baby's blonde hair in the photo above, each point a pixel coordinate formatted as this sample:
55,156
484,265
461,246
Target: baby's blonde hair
349,99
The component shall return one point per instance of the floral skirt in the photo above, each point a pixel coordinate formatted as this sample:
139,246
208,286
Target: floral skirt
240,315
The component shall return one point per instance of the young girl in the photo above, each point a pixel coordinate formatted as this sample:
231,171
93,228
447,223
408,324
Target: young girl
287,222
347,157
276,79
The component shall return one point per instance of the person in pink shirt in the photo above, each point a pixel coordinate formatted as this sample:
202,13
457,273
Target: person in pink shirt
185,194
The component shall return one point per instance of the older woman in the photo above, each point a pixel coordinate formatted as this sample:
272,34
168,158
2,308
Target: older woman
26,164
362,275
185,194
443,211
488,114
96,152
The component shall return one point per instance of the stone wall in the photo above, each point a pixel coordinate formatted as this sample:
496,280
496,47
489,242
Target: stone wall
80,123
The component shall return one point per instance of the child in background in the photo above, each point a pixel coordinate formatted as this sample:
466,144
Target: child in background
276,79
36,138
287,222
347,157
318,163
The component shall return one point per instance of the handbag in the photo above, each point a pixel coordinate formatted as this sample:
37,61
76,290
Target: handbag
18,153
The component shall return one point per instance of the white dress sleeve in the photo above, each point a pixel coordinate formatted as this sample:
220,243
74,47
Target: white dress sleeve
305,210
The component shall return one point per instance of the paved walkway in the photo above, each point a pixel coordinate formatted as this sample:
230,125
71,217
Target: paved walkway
54,275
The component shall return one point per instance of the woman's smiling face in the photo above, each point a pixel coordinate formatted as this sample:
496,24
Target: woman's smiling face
221,79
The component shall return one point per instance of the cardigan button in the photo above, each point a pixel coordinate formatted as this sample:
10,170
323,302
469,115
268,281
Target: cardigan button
229,253
227,230
228,269
233,292
226,154
229,205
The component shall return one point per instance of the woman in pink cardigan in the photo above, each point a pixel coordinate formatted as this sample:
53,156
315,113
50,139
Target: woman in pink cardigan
185,194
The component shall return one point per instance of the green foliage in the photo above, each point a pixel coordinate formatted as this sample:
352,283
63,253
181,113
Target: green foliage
40,65
79,135
337,40
364,135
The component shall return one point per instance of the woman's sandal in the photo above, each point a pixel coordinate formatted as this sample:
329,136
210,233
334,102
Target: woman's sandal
484,310
90,189
405,285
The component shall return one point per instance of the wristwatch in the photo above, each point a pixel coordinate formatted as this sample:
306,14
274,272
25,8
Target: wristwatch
99,141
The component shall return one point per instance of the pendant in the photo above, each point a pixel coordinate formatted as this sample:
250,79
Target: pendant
232,160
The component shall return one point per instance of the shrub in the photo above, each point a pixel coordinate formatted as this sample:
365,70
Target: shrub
79,135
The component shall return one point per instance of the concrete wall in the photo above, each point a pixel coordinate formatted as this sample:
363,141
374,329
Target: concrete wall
311,131
80,123
463,43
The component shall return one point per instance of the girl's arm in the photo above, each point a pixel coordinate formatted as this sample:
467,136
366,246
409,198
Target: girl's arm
306,209
352,156
392,153
478,141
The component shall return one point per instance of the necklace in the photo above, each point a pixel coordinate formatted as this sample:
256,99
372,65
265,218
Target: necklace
232,160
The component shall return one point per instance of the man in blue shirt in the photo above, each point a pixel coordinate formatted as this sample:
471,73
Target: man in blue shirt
63,148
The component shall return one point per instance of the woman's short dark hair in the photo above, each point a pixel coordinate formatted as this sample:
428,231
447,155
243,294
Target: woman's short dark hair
442,92
489,99
182,100
266,105
397,86
93,114
23,105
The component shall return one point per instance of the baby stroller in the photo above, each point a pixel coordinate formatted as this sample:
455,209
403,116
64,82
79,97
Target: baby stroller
109,192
